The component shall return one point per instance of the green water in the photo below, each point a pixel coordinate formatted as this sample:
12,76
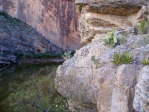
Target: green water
30,89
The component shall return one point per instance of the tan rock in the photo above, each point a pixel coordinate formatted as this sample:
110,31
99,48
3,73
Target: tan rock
100,16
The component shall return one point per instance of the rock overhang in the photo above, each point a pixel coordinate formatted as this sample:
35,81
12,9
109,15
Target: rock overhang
114,7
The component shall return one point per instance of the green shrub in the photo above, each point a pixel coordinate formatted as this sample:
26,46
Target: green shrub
145,62
95,61
119,59
144,26
112,39
67,55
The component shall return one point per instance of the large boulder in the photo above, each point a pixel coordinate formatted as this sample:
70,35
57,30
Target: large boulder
105,86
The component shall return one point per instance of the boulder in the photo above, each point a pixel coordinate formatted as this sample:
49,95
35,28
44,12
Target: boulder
141,99
124,88
106,87
103,85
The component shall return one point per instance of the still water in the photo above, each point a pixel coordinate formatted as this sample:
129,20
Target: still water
30,88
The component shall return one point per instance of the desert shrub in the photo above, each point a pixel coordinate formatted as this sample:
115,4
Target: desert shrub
124,58
144,26
67,55
95,61
145,62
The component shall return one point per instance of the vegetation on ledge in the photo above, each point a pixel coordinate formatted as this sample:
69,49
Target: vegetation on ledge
124,58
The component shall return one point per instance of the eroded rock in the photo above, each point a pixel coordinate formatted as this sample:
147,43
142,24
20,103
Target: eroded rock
107,87
99,17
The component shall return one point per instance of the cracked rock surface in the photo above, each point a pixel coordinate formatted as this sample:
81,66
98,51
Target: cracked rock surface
106,87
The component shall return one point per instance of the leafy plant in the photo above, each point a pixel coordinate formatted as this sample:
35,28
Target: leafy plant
125,58
95,61
144,26
112,39
145,62
67,55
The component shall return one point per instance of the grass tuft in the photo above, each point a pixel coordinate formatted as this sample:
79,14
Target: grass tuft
145,62
125,58
144,26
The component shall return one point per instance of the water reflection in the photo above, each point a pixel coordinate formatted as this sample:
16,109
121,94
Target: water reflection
30,89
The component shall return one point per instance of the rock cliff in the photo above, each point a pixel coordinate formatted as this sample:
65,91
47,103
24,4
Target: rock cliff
55,19
16,37
99,84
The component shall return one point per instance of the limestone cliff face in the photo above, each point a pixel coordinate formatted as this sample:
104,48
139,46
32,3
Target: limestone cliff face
55,19
105,87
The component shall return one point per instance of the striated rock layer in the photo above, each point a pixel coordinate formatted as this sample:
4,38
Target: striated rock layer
105,87
100,16
55,19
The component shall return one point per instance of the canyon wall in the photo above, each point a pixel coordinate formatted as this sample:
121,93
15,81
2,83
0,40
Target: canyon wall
91,79
55,19
16,37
